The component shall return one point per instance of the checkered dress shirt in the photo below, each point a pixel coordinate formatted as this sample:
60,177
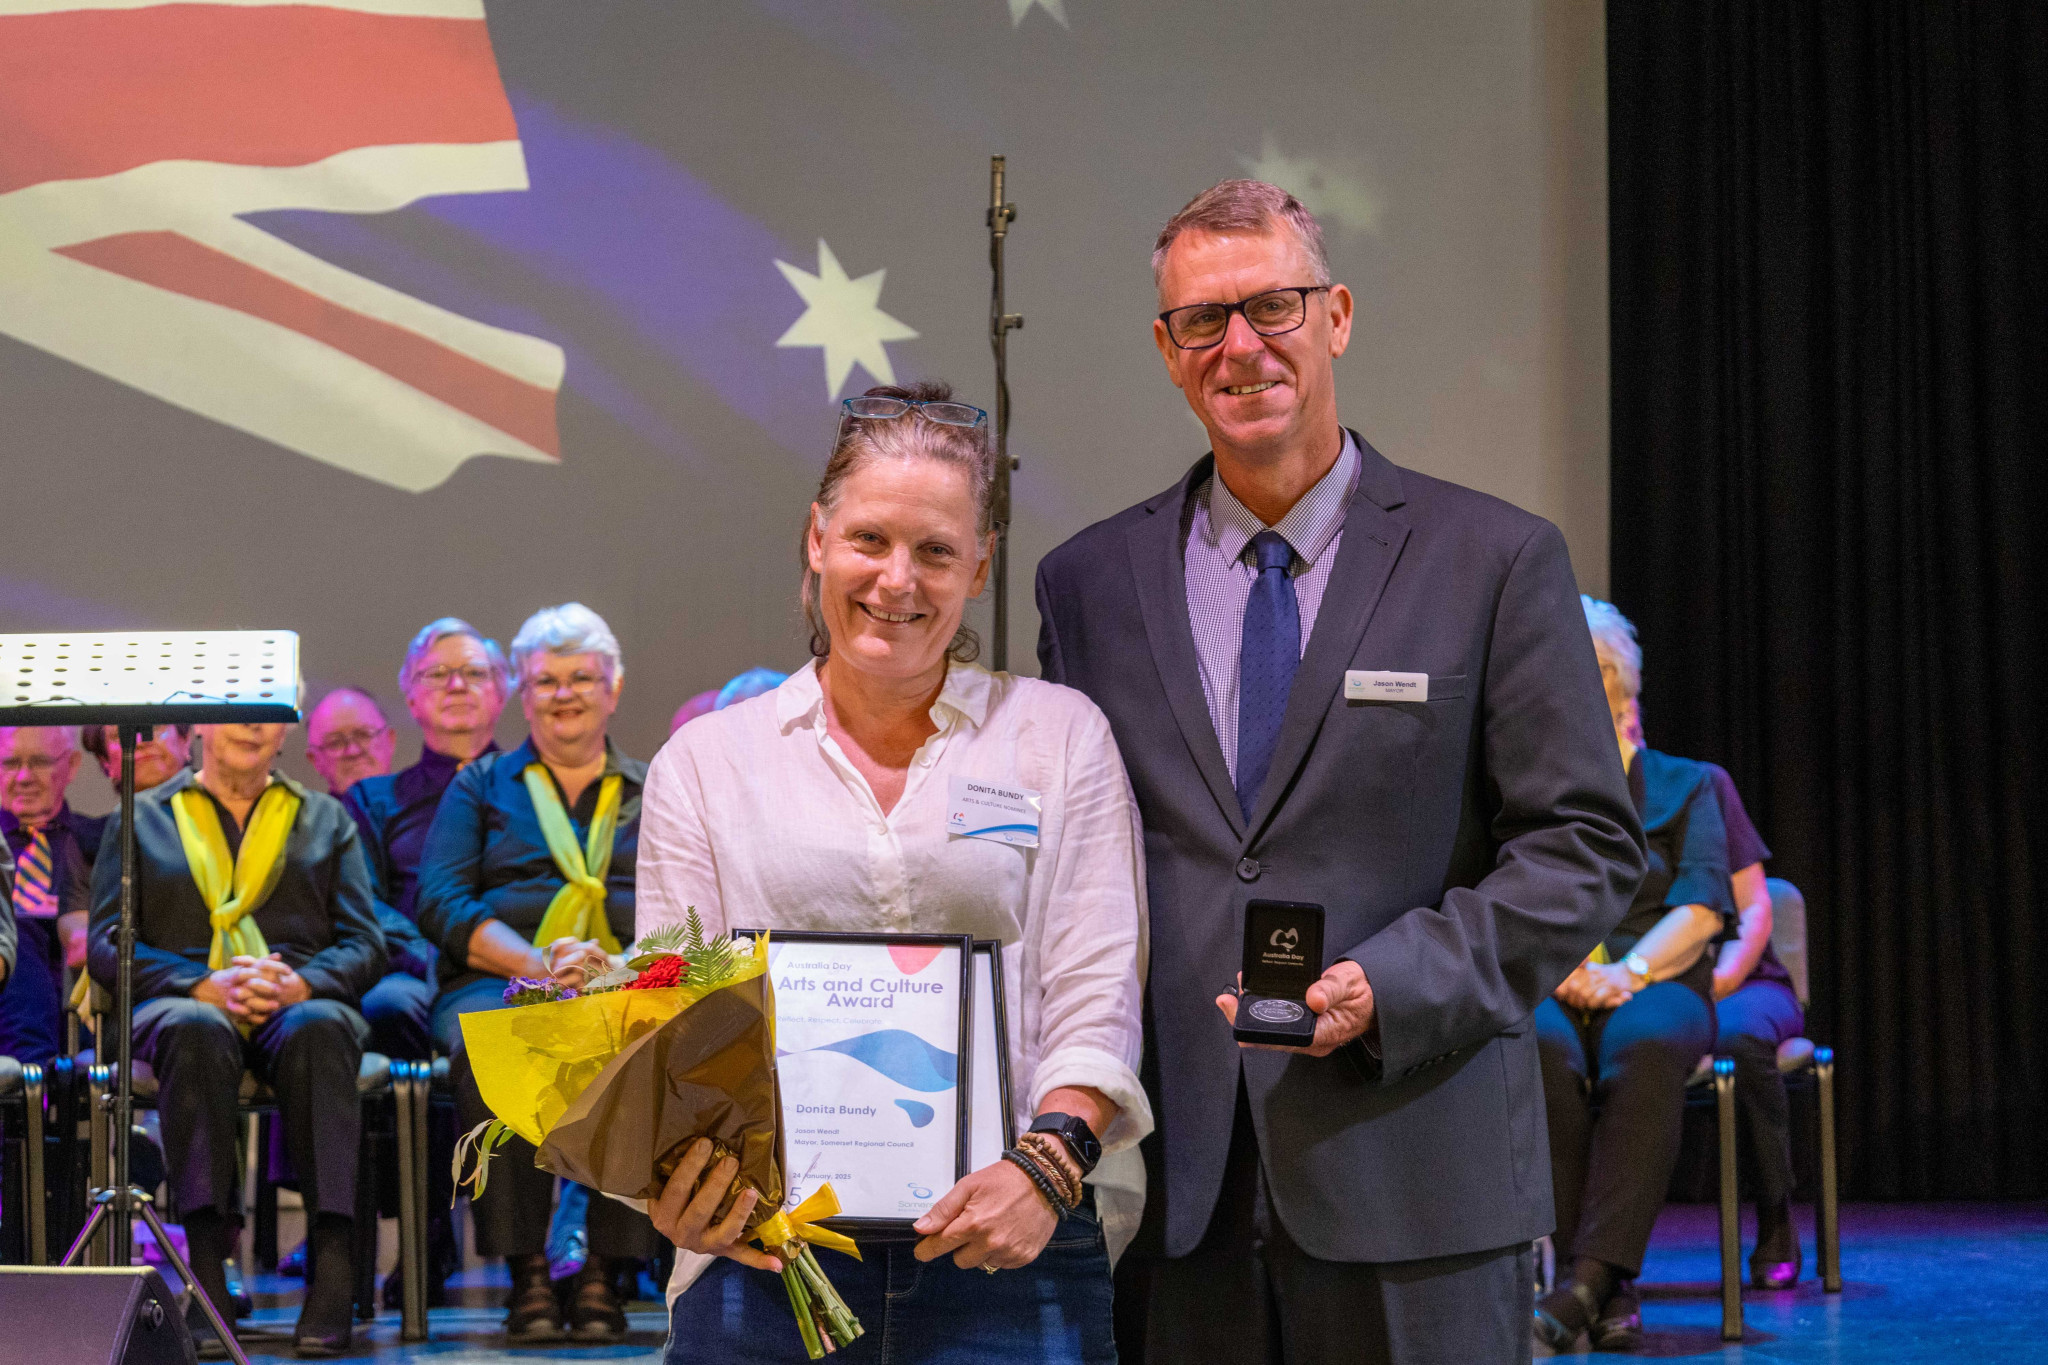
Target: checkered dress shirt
1220,575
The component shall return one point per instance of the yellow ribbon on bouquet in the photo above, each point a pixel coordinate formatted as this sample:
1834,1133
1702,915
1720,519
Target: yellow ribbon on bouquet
800,1224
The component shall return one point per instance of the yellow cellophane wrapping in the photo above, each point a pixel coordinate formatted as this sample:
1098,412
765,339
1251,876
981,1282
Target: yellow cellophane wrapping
533,1061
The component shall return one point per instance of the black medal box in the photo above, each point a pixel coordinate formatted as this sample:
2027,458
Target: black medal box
1283,957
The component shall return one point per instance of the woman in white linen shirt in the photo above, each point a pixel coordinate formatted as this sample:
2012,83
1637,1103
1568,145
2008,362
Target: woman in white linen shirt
822,805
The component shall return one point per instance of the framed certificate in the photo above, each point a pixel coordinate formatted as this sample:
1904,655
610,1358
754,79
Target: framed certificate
992,1125
874,1056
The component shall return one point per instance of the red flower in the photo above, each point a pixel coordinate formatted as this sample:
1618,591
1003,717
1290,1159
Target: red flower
663,971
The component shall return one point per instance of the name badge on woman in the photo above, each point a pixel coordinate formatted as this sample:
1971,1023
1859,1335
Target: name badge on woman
988,810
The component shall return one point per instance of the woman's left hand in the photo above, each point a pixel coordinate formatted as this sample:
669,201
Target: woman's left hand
995,1217
1611,985
571,963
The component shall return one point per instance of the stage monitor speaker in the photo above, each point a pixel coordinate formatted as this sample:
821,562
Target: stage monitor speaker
91,1315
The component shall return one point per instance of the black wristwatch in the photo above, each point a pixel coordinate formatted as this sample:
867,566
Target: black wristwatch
1082,1144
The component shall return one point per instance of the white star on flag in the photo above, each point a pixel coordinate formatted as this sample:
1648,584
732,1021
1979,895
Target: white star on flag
1336,190
844,318
1056,8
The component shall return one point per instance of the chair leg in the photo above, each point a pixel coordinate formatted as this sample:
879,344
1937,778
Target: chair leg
65,1174
422,1196
264,1252
100,1081
1830,1222
363,1254
35,1195
1731,1209
411,1213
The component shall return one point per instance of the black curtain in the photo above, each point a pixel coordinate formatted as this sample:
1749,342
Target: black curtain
1829,254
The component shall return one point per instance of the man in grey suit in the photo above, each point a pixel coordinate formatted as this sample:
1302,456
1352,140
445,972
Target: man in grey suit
1373,1196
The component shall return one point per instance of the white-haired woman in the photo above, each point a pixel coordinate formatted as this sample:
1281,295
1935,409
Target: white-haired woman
823,805
1624,1030
499,895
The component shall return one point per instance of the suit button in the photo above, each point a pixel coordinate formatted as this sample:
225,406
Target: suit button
1248,869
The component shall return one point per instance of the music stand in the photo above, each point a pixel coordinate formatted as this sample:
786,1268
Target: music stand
136,681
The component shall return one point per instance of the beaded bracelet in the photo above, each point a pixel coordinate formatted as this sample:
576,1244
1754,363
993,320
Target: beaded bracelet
1038,1179
1048,1152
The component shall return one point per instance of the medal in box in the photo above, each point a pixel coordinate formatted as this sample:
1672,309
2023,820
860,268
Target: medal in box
1283,957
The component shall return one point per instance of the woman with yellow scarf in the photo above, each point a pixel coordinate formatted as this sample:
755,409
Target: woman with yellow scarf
528,872
255,938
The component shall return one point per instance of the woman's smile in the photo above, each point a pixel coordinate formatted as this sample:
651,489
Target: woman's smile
894,618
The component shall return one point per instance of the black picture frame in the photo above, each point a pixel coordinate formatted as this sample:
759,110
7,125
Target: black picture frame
992,950
963,944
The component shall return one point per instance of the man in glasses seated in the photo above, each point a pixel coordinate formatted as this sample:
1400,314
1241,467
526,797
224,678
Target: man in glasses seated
53,848
455,681
348,739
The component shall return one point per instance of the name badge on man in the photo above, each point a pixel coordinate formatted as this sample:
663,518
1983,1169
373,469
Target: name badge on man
989,810
1367,685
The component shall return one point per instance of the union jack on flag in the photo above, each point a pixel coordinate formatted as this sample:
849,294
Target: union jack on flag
134,135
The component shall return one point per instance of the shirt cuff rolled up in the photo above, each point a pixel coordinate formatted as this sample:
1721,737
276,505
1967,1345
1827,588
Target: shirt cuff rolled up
1098,1070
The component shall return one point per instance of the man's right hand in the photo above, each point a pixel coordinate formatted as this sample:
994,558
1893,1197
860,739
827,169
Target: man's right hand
687,1205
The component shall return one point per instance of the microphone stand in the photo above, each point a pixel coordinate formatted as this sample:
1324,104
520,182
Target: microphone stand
121,1202
1000,324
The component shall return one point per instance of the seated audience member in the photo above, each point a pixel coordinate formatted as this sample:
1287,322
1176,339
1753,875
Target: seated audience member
751,683
348,739
160,757
1756,1009
1627,1027
256,937
454,681
6,921
53,849
518,878
703,704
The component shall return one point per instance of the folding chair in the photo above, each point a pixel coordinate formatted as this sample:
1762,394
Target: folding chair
373,1083
1804,1067
22,1238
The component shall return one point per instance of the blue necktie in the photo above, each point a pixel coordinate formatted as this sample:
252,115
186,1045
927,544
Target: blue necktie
1266,662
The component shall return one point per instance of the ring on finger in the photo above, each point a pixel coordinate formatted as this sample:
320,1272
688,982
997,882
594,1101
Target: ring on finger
990,1266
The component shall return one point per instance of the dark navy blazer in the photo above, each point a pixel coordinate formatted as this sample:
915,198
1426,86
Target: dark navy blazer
394,812
1469,850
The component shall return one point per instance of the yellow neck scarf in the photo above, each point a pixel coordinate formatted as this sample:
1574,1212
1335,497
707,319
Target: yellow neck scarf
577,911
233,887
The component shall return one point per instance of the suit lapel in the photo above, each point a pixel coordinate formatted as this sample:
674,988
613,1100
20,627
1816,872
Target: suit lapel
1374,533
1160,569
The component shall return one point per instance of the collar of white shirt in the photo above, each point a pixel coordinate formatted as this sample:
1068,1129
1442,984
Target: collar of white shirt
801,699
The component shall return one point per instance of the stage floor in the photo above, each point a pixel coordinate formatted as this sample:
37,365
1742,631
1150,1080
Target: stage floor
1934,1283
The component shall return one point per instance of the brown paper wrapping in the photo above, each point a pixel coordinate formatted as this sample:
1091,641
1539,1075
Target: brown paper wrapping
708,1072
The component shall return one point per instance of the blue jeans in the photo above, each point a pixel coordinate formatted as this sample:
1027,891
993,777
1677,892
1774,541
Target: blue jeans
1055,1311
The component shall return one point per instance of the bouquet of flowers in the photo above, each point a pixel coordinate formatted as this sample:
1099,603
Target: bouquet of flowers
613,1081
